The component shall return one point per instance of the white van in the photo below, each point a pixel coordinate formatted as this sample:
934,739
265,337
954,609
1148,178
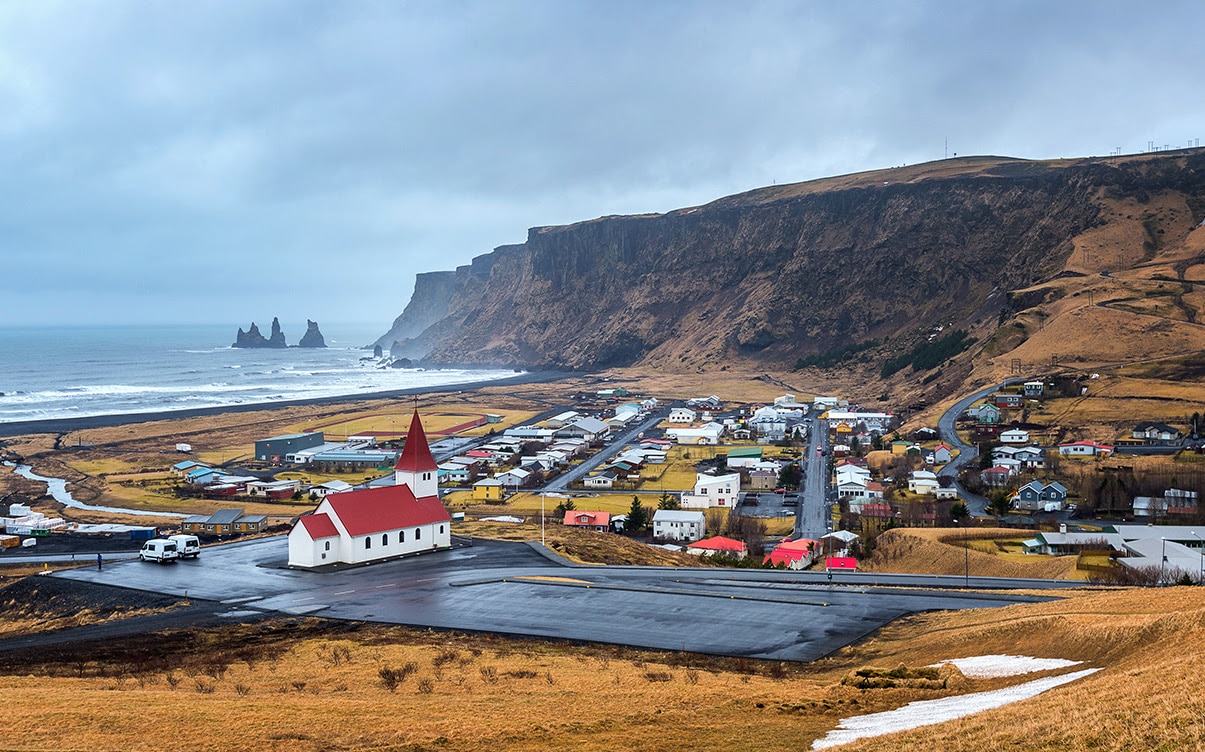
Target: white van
158,549
186,545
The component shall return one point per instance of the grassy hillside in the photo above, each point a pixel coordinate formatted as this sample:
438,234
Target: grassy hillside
308,684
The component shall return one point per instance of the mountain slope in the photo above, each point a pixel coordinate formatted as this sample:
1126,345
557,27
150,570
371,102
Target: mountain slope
769,276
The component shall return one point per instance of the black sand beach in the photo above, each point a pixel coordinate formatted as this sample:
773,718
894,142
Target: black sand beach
60,425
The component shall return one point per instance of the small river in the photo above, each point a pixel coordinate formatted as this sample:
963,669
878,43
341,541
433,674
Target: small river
57,488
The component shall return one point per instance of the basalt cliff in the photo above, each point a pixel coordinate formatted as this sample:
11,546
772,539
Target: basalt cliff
1022,258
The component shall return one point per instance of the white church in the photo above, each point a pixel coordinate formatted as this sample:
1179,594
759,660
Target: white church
365,525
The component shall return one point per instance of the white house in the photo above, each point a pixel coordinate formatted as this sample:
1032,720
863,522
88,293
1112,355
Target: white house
602,480
713,491
708,433
514,478
923,482
330,487
1085,449
563,419
1014,436
682,416
585,428
678,525
371,524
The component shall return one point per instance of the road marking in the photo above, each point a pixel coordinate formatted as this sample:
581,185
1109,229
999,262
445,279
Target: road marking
301,600
345,592
378,587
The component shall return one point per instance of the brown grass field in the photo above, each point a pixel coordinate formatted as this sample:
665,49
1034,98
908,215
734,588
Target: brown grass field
942,551
313,685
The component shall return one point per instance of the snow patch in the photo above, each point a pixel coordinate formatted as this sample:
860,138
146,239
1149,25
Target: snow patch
929,712
995,666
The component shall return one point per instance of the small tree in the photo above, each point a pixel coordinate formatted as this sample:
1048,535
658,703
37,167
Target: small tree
959,511
638,517
566,505
669,501
1000,503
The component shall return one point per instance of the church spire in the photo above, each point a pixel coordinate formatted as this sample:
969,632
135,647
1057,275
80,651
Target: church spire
416,466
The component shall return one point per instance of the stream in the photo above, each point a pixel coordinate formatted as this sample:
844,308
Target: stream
57,488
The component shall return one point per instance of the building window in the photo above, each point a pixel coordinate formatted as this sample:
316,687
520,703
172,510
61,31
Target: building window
385,539
328,547
368,543
401,536
441,529
418,533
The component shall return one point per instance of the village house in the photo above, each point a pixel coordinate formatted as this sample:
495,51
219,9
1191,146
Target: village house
597,521
1157,434
1085,449
996,476
1014,436
713,491
678,525
1036,496
329,487
602,480
1175,502
985,413
682,416
372,524
763,480
743,457
796,554
514,478
589,429
942,453
488,489
1064,543
1007,400
718,545
923,482
707,434
1034,389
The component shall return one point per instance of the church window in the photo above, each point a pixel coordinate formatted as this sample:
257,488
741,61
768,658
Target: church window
441,529
368,543
401,536
328,545
418,533
385,539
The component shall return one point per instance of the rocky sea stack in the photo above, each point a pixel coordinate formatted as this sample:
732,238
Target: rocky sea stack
312,337
252,337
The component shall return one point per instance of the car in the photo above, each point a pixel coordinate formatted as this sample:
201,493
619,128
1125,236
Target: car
780,490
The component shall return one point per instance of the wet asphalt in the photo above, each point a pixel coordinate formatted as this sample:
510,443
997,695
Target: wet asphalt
520,589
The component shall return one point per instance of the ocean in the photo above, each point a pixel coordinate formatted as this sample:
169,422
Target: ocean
69,372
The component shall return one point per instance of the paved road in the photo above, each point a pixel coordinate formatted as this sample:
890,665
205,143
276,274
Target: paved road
562,481
503,588
813,518
976,504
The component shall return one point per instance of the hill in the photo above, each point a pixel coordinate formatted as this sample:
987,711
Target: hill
313,684
982,259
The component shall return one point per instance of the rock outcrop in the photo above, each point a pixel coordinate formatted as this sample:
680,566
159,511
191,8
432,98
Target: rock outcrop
312,337
253,338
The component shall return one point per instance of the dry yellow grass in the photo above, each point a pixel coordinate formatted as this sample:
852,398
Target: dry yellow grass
297,687
941,551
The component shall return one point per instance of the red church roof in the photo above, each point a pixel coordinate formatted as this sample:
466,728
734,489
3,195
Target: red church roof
416,455
375,510
319,526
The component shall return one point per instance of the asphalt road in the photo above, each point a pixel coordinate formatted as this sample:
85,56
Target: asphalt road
813,518
562,481
976,504
507,588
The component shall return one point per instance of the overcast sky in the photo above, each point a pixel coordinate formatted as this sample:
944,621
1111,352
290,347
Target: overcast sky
226,161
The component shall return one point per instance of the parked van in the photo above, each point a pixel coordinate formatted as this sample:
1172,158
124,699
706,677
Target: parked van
159,549
186,545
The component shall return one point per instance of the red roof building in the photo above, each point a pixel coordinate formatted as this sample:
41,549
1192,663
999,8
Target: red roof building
383,522
719,545
793,554
600,521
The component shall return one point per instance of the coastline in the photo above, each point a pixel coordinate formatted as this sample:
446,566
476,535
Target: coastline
56,425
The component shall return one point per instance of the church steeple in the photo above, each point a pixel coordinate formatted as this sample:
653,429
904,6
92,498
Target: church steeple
416,466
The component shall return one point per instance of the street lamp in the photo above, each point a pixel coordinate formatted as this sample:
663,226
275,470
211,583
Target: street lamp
542,519
966,552
1162,560
1201,571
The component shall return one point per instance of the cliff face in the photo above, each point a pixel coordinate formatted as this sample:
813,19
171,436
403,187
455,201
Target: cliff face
772,275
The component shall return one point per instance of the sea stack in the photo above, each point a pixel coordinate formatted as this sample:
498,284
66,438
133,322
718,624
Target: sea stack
312,337
253,338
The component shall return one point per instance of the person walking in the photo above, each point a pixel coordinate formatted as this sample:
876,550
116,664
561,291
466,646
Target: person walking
100,562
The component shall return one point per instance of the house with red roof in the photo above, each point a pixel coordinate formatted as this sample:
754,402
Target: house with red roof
793,554
600,521
385,522
719,545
